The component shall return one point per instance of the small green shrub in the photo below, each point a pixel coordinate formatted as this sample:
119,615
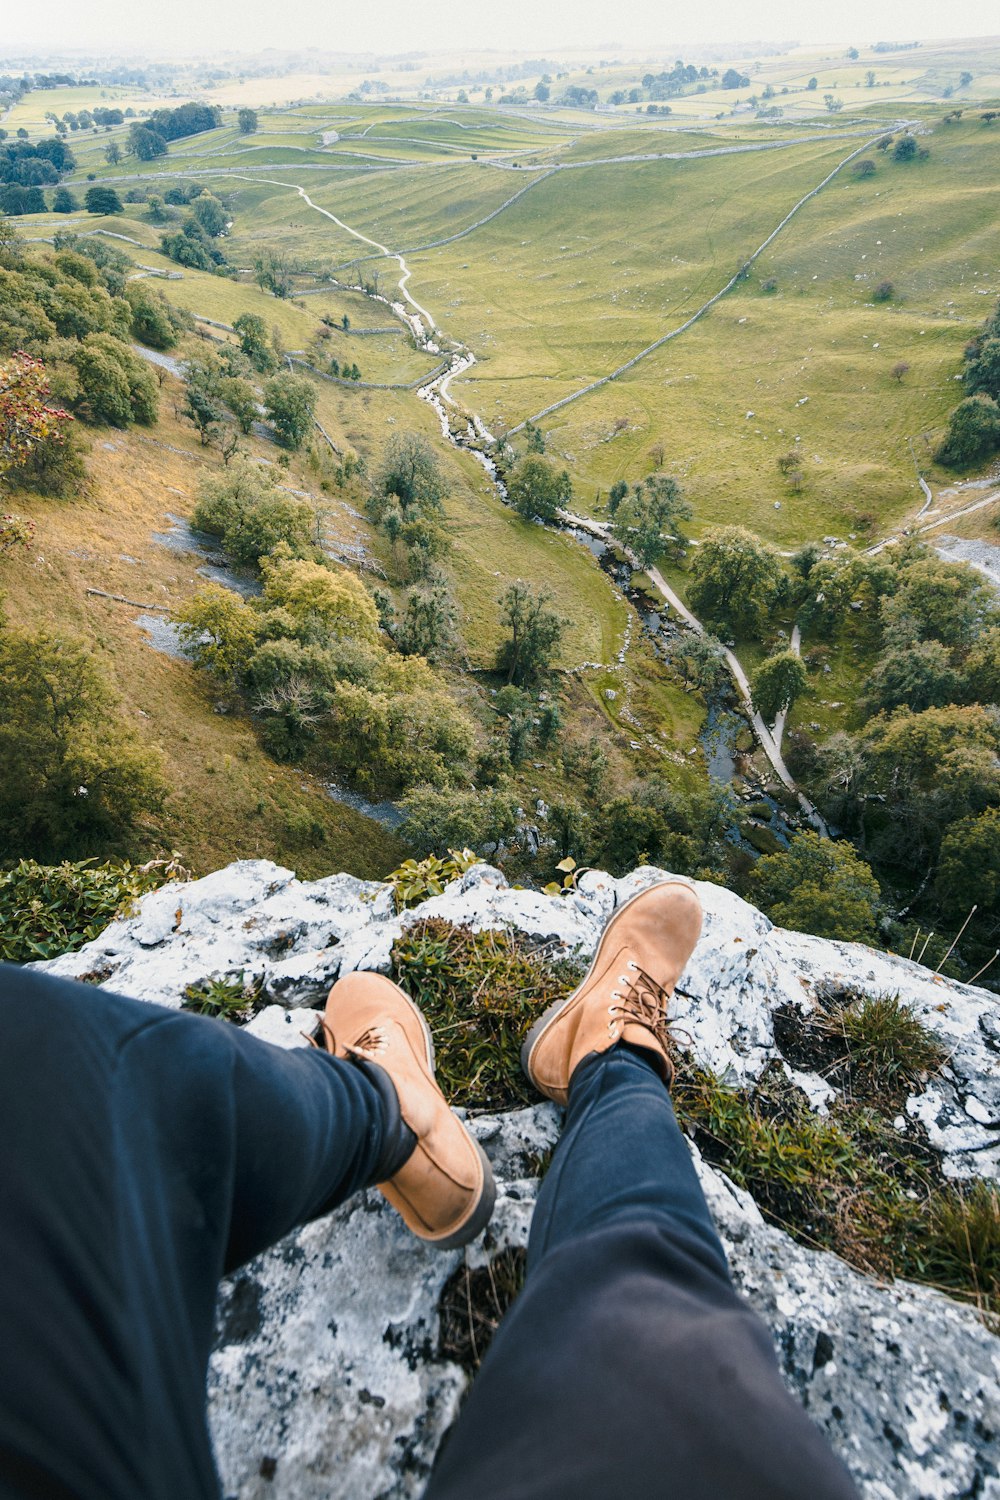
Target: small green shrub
46,910
417,879
230,998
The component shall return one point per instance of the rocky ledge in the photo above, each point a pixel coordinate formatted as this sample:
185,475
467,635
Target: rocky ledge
328,1379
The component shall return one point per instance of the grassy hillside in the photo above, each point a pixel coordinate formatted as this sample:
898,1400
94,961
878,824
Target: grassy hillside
228,800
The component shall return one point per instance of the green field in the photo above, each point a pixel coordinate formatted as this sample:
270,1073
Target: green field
599,260
597,257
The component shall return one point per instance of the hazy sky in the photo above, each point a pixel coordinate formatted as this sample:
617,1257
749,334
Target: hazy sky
535,25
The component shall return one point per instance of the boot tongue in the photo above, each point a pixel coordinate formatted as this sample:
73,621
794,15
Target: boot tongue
398,1140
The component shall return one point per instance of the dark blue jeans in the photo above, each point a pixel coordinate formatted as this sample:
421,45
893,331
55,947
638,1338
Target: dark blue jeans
629,1368
145,1153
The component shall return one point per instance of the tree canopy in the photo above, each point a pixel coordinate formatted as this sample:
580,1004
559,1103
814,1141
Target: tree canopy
537,489
736,580
818,885
533,633
290,402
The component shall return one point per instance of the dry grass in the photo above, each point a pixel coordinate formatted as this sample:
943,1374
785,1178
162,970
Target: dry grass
229,800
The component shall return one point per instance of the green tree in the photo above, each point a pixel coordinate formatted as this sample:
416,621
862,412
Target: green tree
241,398
905,148
427,625
317,599
534,631
112,153
210,214
736,581
537,488
656,823
408,477
75,781
969,867
425,542
64,202
252,516
616,494
153,321
438,819
218,631
820,886
254,343
102,200
649,521
145,144
922,772
982,667
982,371
916,676
700,659
247,121
777,683
944,601
203,409
273,272
290,403
973,433
115,386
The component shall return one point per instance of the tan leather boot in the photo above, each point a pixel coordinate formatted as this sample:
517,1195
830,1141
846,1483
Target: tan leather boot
624,995
444,1190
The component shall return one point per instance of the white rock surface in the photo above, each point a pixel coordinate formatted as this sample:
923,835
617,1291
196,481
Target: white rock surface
254,918
327,1381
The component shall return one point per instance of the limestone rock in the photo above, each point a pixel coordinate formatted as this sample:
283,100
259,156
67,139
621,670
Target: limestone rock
327,1381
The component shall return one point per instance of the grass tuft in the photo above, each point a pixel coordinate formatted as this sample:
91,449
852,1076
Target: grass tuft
849,1182
480,992
472,1303
229,998
868,1046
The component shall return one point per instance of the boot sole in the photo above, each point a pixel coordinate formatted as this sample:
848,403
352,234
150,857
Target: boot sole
482,1210
554,1011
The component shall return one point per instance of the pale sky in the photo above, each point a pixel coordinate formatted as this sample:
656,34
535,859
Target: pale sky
536,26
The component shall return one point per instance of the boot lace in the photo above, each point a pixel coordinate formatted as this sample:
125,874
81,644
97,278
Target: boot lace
368,1044
643,1002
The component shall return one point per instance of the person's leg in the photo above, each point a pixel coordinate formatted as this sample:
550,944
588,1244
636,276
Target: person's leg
629,1367
145,1152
